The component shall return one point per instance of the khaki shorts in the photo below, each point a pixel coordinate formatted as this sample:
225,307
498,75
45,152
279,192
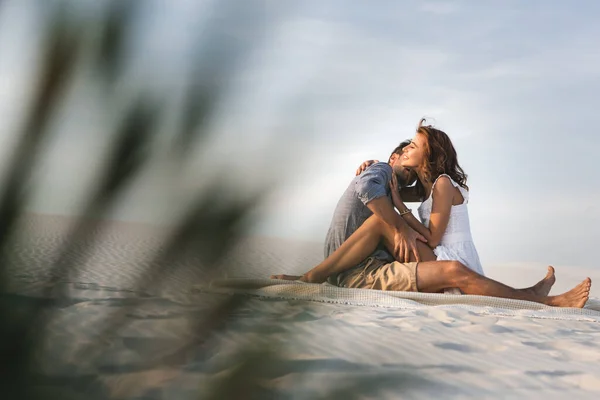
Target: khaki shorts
382,275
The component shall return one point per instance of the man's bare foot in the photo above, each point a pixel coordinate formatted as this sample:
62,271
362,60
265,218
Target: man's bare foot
542,288
288,277
307,277
576,297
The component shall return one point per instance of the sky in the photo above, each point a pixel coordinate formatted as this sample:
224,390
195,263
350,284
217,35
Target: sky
316,87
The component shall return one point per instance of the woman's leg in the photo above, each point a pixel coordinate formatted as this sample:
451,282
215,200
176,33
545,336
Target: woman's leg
362,243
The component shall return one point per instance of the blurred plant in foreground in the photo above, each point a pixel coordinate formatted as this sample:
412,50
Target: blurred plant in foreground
215,221
208,229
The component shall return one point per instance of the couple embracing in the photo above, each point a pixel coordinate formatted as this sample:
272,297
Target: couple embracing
371,245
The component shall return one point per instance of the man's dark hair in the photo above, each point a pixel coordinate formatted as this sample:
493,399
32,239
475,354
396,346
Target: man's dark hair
398,150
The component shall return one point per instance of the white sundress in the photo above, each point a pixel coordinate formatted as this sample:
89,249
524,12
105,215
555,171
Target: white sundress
457,242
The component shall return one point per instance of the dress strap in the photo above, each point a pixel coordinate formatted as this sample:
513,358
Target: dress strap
464,192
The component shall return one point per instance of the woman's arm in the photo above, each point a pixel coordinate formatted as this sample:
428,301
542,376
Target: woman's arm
443,194
408,216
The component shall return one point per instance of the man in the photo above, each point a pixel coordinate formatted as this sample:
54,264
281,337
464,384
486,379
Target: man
368,195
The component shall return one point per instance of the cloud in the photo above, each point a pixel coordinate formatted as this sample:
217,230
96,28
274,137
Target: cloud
325,86
438,7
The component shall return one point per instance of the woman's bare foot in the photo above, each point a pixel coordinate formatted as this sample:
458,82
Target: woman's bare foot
576,297
542,288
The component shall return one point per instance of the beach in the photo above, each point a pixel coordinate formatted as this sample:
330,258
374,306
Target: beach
332,343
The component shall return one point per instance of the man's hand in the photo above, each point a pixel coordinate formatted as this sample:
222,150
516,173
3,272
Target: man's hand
405,244
364,166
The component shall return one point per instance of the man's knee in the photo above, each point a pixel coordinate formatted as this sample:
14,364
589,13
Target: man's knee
377,222
456,272
377,219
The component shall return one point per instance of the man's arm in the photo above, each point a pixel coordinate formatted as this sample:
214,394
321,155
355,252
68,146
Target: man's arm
409,194
371,188
382,207
405,238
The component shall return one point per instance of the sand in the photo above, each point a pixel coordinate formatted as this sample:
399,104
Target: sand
397,350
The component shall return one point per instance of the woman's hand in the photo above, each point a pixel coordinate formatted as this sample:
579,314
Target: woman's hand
364,166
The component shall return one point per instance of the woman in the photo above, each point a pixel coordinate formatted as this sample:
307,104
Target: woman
443,184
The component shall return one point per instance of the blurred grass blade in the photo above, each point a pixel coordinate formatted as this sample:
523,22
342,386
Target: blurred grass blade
206,233
217,220
215,63
111,53
198,105
19,337
57,66
130,152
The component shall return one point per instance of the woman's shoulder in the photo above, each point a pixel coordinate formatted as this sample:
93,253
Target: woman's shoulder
443,183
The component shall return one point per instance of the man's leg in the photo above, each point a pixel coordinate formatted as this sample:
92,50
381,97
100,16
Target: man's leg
360,245
351,253
543,287
436,275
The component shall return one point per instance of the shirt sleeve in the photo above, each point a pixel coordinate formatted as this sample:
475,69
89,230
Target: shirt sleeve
373,182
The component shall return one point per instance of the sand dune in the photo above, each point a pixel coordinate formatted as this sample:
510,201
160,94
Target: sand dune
394,350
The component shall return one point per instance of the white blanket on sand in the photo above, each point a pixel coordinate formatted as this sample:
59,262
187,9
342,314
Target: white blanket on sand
483,305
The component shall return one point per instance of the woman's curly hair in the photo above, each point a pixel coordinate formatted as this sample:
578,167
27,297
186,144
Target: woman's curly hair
440,157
